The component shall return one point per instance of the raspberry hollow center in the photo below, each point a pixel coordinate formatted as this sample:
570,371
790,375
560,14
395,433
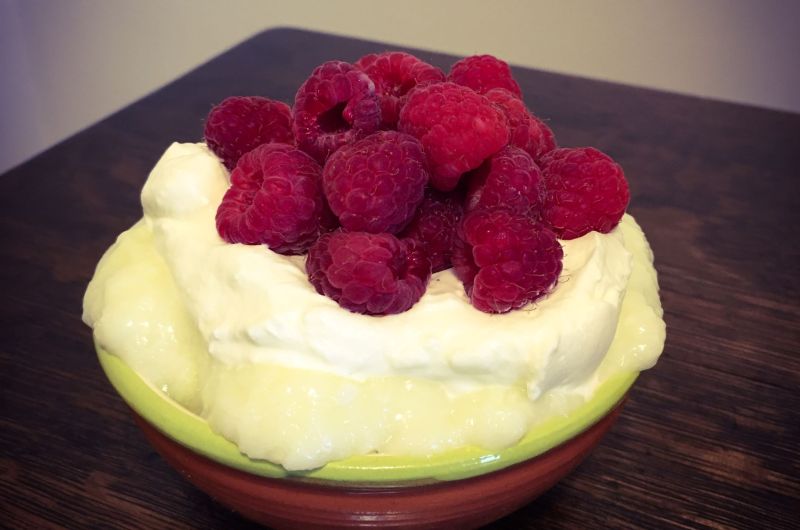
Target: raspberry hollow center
332,120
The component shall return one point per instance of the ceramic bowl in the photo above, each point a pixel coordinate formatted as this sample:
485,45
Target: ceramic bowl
462,488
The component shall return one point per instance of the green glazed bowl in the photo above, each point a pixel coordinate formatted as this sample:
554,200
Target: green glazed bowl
544,455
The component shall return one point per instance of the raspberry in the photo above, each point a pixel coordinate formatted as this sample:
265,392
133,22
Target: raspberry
458,128
482,73
395,74
510,179
275,199
505,260
375,274
375,184
242,123
433,228
585,190
527,131
337,105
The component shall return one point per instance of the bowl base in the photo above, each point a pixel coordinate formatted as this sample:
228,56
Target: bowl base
299,503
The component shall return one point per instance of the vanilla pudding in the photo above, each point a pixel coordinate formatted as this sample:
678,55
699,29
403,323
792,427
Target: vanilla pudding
239,336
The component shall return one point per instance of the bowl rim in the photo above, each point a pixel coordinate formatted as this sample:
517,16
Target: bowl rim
194,432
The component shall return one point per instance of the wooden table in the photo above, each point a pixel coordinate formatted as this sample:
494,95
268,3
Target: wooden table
708,439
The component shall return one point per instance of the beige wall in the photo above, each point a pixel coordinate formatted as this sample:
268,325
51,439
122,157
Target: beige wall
67,63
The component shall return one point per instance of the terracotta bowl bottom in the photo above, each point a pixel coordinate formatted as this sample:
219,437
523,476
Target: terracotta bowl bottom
296,503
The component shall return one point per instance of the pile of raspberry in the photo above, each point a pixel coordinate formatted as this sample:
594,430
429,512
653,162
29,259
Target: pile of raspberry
387,170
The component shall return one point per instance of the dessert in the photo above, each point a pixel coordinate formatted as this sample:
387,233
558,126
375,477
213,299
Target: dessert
303,342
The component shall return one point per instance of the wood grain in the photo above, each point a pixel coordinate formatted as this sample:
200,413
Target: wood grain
709,438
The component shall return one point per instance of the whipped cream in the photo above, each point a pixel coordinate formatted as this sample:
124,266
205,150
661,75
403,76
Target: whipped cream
197,317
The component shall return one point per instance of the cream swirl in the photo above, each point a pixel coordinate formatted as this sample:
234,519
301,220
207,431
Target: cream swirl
252,305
